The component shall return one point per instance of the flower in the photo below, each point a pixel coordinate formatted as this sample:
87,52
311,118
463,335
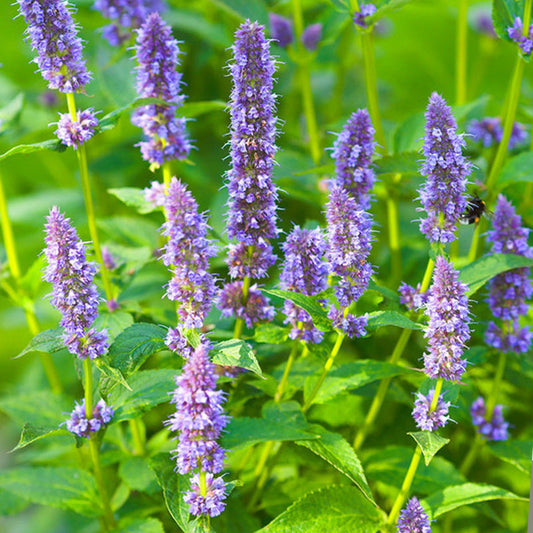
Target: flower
349,244
516,34
413,518
447,330
366,10
509,291
108,259
281,29
157,58
352,152
426,419
311,36
412,298
305,272
53,34
155,194
80,425
446,172
74,292
489,131
75,133
212,502
483,24
496,428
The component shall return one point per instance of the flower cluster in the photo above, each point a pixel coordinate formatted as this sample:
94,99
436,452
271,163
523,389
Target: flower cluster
126,15
311,36
80,425
483,24
360,17
76,132
74,292
199,420
509,291
446,172
187,253
281,31
496,428
305,272
352,152
53,34
427,419
447,330
489,131
413,298
413,518
516,34
157,57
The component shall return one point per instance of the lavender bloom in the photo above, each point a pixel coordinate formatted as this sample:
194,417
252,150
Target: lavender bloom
75,133
249,261
199,416
281,29
413,518
446,172
352,152
349,244
411,297
509,291
212,503
157,57
54,36
489,131
311,36
483,24
427,420
80,425
108,259
516,34
447,330
359,18
187,252
496,428
304,271
155,194
74,292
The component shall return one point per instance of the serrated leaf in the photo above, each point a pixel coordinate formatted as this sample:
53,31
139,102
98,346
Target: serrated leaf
466,494
309,304
430,443
271,333
336,508
134,197
63,487
503,14
517,169
515,452
141,525
379,319
53,145
48,341
31,433
477,273
236,352
334,449
112,374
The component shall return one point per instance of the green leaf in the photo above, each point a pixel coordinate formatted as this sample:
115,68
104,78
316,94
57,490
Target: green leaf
516,452
243,9
48,341
503,14
53,145
63,487
137,474
335,508
466,494
196,109
350,376
430,443
115,322
476,274
517,169
11,112
148,389
309,304
379,319
235,352
32,279
134,197
31,433
402,163
112,374
141,525
334,449
11,503
270,333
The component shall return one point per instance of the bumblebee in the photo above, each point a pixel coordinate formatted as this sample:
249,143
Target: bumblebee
474,211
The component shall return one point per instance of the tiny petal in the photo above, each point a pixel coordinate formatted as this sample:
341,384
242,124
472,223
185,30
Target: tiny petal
360,17
413,518
425,419
76,132
281,29
496,428
210,504
80,425
412,297
155,194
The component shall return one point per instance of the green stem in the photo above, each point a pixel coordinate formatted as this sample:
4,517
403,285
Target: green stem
461,53
426,280
81,153
285,378
394,240
109,519
239,322
138,436
167,173
7,232
470,458
88,387
496,383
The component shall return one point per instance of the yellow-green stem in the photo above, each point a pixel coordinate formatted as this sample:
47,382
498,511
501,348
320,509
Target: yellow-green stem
285,378
471,456
461,53
88,387
239,322
203,483
109,519
137,436
394,240
426,280
7,232
496,383
167,173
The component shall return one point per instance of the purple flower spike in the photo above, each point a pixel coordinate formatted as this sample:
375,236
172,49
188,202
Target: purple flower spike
426,420
413,518
199,416
212,503
53,34
304,271
509,291
157,58
311,36
74,292
353,152
75,133
447,330
412,298
281,29
349,244
359,18
80,425
187,252
446,172
516,34
489,131
496,428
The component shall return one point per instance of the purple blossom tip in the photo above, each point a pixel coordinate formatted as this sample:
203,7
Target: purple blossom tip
489,131
413,518
212,502
311,36
516,34
425,419
281,29
446,172
80,425
412,297
76,132
360,17
155,194
496,428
